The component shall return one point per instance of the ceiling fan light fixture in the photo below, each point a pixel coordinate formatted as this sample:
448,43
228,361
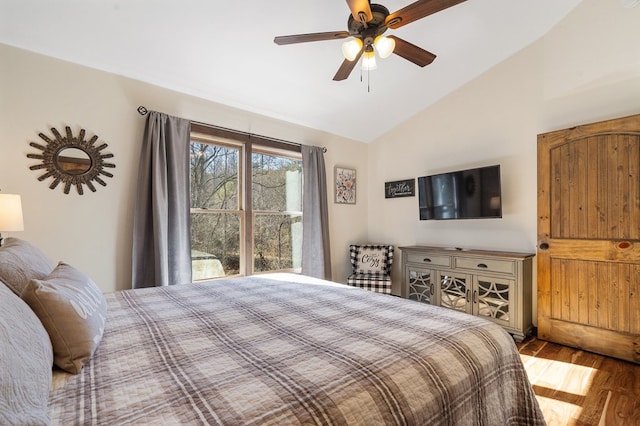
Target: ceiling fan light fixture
366,24
369,59
351,48
384,46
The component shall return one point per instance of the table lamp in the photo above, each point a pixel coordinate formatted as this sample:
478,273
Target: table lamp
10,214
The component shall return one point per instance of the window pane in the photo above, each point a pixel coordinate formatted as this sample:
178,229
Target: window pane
277,242
214,177
215,245
276,183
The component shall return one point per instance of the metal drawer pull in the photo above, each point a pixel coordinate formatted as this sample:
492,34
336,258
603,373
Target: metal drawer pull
426,259
482,265
475,296
468,295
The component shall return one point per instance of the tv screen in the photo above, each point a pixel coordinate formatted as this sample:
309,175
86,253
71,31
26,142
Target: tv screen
464,194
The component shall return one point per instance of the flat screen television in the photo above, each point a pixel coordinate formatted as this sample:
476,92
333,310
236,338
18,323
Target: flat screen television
464,194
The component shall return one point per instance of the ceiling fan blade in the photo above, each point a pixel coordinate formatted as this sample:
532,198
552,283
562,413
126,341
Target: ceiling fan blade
412,53
304,38
418,10
345,69
360,8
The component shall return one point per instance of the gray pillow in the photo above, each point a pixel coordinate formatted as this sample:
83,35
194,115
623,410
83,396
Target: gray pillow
73,310
26,359
20,262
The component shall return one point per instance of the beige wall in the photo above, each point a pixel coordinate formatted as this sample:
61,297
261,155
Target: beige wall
93,231
586,69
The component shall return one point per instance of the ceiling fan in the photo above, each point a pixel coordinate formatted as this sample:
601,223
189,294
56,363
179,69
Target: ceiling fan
366,25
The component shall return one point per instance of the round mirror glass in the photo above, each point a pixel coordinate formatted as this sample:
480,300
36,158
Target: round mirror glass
73,161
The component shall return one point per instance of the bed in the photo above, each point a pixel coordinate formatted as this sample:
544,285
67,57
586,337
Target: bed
284,349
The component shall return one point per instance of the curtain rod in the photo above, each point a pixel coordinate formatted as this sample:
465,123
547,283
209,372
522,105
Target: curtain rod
143,111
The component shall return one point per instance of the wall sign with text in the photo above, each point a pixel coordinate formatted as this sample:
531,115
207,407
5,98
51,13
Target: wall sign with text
400,188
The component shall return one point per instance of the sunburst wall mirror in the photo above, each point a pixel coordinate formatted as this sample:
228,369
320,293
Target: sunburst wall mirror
72,160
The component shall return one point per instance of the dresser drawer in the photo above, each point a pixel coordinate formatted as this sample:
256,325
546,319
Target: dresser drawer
429,259
489,265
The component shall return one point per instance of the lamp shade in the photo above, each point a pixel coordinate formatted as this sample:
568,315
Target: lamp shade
369,59
11,213
384,46
351,48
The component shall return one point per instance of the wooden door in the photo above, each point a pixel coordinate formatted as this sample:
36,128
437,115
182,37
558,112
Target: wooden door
589,237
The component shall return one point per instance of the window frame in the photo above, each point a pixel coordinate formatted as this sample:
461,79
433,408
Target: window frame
247,145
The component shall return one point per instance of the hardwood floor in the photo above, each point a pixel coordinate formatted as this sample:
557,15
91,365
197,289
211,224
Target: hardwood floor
575,387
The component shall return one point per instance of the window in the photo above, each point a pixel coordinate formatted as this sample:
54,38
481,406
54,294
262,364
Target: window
276,192
246,207
216,215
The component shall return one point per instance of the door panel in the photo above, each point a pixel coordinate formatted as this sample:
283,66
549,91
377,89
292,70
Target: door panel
595,205
599,294
589,237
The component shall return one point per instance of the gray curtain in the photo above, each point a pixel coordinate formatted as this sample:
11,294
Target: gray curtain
316,253
162,225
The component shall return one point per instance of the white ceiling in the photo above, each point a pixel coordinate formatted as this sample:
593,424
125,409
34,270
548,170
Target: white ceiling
224,51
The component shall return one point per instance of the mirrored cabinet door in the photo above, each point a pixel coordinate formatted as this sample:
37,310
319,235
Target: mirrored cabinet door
455,292
421,285
494,299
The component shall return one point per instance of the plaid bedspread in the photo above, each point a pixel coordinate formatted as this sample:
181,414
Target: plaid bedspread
263,351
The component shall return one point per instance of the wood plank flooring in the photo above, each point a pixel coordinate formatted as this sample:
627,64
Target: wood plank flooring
575,387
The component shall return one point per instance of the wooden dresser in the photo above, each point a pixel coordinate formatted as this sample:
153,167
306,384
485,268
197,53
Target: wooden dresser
491,284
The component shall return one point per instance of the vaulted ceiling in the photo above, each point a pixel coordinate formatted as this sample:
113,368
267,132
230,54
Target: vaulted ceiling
224,51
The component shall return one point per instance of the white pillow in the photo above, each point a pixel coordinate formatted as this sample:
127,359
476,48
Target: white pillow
370,259
20,262
26,358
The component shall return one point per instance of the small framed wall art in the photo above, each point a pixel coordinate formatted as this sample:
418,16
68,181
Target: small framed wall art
400,188
345,185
